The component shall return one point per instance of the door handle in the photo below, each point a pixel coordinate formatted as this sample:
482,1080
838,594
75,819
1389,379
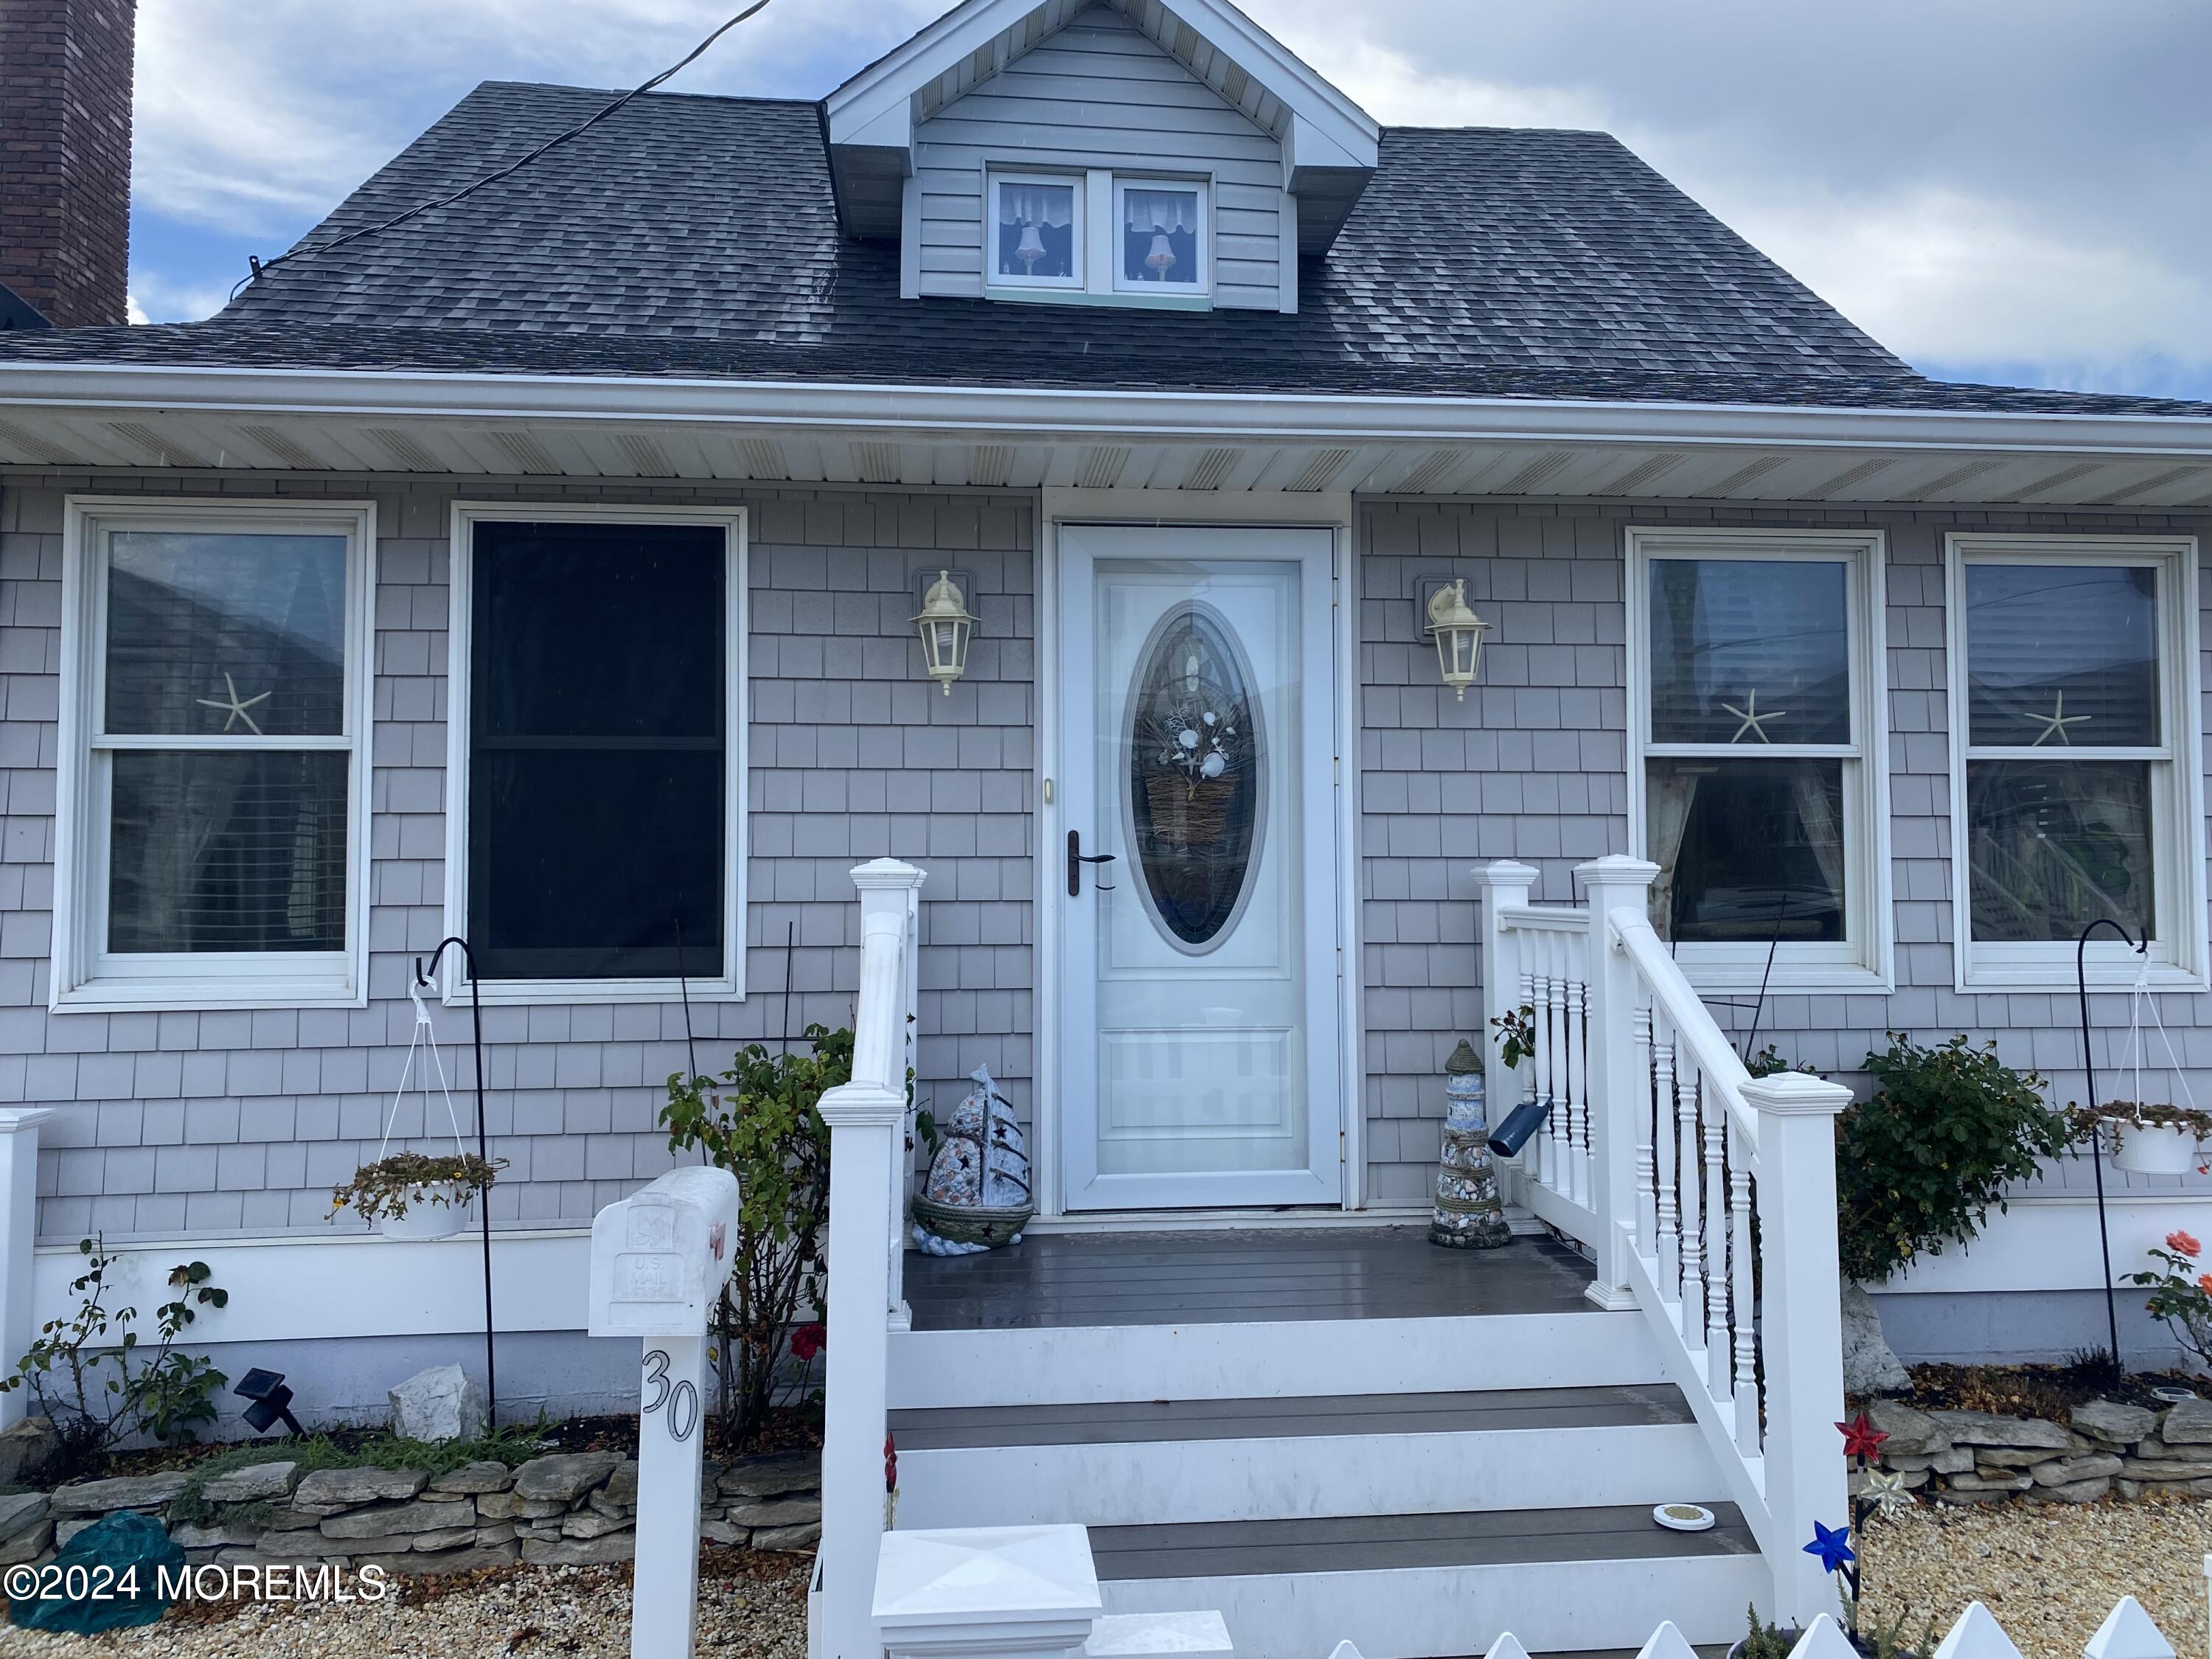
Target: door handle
1077,858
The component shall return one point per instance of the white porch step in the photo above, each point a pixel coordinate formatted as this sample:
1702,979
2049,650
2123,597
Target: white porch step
1418,1587
1090,1364
1133,1462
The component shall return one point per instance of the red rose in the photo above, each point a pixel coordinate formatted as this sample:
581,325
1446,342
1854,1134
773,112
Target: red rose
808,1340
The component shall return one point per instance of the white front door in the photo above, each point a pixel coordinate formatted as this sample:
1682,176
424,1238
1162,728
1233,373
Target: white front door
1199,963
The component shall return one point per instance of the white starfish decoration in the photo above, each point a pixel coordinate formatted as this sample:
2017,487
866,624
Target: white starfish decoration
1886,1491
1753,720
2055,723
233,708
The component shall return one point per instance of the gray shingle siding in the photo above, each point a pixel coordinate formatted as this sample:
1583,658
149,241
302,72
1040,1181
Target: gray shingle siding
242,1120
1533,766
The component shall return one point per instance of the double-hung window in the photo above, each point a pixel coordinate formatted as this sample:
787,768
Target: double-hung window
596,836
1755,710
2076,786
213,788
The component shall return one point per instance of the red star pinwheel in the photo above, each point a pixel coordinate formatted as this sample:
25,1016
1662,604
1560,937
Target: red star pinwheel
1860,1439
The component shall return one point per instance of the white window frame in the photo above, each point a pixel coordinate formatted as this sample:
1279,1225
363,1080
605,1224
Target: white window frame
1863,961
1123,184
729,984
1097,254
87,977
1078,228
2178,955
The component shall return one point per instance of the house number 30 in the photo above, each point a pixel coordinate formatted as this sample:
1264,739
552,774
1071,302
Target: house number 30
682,1401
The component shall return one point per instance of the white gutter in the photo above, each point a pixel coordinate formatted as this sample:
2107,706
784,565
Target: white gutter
969,413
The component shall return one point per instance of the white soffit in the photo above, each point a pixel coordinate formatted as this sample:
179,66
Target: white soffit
225,421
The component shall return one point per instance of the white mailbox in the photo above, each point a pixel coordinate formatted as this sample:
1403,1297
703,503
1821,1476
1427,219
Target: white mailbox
660,1256
659,1259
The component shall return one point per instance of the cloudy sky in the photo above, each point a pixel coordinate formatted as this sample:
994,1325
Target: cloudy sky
2000,189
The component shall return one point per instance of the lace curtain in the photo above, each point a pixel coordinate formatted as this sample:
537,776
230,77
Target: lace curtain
1036,204
1168,211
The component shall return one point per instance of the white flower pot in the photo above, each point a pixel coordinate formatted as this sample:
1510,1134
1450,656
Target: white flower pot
2155,1149
428,1219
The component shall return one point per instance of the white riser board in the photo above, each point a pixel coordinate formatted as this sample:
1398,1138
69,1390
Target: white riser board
1419,1612
1278,1358
1292,1476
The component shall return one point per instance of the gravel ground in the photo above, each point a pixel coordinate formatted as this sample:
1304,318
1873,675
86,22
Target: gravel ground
749,1607
2048,1572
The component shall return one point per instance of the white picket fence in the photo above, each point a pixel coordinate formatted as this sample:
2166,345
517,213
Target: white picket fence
2128,1632
1667,1159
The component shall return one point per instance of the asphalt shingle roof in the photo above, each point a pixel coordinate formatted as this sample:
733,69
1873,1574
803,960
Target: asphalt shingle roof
698,237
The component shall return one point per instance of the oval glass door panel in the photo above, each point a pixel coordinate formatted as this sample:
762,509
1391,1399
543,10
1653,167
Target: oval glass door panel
1197,783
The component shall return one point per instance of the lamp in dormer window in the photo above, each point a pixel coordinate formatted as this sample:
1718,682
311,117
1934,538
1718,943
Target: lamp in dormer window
1458,634
945,627
1030,249
1161,257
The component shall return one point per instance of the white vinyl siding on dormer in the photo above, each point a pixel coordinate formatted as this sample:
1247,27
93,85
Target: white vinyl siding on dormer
1099,94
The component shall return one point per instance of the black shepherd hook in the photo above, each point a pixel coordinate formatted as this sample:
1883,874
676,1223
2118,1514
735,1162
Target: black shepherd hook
483,1150
2097,1138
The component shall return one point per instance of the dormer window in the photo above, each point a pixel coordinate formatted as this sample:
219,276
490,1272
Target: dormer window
1096,237
1037,231
1162,236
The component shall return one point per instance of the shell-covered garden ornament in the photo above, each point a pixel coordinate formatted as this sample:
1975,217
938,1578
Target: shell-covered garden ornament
1469,1214
976,1194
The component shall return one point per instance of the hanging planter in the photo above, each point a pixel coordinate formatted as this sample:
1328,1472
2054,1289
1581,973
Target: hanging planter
2155,1149
415,1194
2147,1139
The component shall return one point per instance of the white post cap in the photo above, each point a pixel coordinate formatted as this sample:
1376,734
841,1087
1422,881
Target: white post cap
976,1590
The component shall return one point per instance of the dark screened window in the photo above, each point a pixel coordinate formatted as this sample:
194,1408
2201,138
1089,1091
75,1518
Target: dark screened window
598,740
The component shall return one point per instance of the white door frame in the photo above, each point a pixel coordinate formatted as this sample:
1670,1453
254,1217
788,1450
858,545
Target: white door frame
1329,510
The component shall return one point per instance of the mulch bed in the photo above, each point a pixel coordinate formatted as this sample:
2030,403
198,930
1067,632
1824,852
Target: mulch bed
2045,1391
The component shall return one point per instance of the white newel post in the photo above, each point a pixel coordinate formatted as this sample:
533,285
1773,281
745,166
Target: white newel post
867,1187
18,1233
1613,883
1802,1319
659,1259
1504,884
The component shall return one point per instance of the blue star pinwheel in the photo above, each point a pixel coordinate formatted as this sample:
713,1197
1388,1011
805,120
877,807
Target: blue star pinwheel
1833,1547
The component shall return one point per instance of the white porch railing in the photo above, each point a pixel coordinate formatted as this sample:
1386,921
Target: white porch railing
1707,1197
868,1176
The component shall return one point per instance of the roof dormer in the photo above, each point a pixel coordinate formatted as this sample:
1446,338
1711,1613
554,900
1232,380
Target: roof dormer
1111,152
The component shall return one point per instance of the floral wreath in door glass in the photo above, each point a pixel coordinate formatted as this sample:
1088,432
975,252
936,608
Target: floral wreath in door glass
1197,753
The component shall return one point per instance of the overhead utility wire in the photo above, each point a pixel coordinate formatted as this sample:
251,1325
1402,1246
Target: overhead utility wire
261,266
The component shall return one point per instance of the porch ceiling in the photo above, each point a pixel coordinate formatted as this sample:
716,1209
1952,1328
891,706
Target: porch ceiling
971,439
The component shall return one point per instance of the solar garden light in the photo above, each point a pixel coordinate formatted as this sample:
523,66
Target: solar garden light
1458,632
272,1401
945,627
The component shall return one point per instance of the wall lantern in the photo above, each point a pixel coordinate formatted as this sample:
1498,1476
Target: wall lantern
945,626
1458,634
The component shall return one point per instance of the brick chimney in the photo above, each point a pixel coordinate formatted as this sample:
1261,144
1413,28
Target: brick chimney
65,157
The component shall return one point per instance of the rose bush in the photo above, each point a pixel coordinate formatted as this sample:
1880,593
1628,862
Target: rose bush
2181,1292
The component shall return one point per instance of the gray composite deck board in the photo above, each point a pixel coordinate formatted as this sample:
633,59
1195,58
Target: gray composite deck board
1171,1279
1234,1549
1148,1421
